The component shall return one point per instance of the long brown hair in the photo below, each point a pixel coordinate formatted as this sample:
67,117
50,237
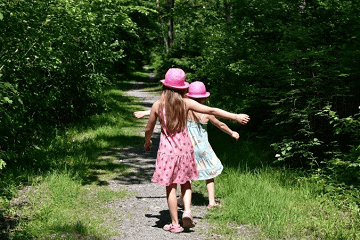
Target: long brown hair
175,110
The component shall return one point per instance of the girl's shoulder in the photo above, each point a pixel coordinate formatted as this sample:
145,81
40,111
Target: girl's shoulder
155,106
198,117
204,118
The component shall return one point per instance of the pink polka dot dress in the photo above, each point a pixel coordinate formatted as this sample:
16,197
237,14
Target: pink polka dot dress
175,162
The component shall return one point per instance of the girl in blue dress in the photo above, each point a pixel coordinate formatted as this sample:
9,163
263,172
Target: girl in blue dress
208,164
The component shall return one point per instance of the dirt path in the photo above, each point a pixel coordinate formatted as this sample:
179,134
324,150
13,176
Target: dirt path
144,215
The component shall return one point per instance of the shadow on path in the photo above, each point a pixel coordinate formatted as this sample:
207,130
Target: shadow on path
163,218
142,163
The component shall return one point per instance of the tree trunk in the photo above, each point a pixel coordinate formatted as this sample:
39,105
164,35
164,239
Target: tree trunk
170,6
227,8
166,43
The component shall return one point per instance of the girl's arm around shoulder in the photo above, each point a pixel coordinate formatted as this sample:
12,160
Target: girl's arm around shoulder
150,125
223,127
197,107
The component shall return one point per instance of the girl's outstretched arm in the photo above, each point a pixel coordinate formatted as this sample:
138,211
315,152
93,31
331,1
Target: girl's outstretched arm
150,126
223,127
141,114
197,107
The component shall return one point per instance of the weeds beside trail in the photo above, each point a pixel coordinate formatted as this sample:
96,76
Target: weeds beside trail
282,204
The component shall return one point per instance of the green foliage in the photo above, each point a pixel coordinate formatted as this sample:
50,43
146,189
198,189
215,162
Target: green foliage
282,63
2,164
55,59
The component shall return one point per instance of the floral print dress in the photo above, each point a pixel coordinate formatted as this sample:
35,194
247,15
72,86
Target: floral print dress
175,162
208,164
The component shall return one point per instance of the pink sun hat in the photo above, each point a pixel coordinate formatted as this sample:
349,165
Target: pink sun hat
197,90
175,78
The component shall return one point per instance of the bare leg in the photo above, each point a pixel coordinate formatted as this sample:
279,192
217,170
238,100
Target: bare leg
211,191
187,218
172,203
186,195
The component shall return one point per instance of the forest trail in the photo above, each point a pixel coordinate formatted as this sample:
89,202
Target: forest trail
144,215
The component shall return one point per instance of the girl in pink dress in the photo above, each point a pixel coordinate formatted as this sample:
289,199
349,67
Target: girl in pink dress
175,162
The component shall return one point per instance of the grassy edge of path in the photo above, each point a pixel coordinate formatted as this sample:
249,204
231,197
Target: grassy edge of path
273,203
42,202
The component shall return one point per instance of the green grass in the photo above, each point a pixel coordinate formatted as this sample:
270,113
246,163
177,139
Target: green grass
261,200
64,191
60,206
273,203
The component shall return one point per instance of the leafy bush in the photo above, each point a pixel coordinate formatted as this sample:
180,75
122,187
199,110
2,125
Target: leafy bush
56,57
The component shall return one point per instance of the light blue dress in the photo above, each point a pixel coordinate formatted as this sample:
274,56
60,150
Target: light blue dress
207,163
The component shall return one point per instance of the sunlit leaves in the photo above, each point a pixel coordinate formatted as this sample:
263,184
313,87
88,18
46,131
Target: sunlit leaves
55,59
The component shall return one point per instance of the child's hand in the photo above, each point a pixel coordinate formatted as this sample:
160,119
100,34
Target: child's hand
138,114
148,146
242,118
235,135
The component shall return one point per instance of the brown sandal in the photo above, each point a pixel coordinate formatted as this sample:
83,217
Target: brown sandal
187,220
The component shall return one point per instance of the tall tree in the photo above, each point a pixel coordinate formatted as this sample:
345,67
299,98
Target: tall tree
167,22
169,7
161,19
227,9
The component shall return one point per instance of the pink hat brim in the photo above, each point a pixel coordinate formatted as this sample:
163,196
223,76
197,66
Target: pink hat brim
176,87
207,94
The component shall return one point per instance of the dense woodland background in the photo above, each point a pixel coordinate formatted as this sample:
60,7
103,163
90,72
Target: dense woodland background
293,66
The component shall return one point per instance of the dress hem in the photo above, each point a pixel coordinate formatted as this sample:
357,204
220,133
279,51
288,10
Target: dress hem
172,183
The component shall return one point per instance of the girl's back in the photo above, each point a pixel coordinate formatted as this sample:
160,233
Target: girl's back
175,161
195,116
173,143
208,164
